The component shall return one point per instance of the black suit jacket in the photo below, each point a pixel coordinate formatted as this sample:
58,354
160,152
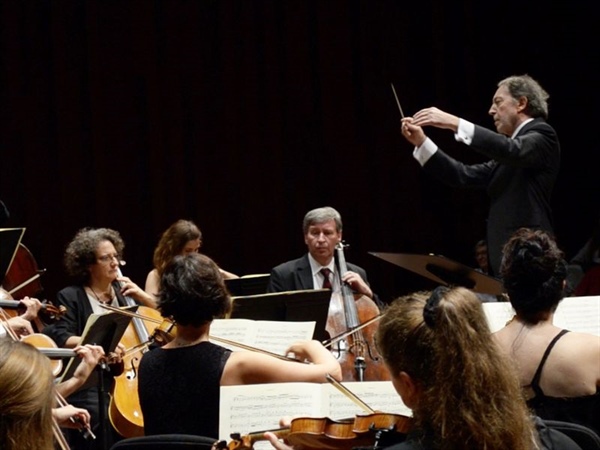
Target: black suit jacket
78,310
519,179
296,275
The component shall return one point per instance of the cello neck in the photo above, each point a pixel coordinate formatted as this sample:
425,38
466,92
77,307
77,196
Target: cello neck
138,324
128,300
348,296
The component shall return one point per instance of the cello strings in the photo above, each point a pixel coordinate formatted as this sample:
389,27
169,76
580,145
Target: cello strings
333,340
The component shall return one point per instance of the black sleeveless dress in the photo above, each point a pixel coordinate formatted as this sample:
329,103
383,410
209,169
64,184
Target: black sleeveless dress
583,410
179,389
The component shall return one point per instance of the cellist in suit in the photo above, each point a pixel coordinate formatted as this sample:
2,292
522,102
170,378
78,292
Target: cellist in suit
524,159
322,229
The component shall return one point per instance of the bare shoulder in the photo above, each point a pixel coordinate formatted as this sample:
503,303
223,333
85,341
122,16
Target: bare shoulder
577,352
582,343
152,282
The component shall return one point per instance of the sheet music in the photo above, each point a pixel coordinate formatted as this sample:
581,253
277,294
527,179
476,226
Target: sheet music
579,314
251,408
498,314
379,395
273,336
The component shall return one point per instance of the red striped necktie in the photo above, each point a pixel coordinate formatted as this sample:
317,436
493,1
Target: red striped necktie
326,282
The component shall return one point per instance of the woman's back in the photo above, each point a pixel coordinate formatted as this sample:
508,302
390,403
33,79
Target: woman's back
559,371
572,367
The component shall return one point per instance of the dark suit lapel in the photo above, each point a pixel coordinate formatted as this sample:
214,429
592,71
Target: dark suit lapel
304,279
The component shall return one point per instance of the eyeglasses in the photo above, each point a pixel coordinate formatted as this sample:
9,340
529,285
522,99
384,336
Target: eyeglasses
105,259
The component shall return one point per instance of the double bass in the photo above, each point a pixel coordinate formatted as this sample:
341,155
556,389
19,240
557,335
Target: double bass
357,353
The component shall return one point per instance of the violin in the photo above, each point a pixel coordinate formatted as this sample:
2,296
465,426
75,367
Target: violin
324,433
49,309
357,354
41,341
37,340
364,430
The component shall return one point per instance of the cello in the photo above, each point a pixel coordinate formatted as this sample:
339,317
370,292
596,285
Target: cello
22,277
124,411
357,354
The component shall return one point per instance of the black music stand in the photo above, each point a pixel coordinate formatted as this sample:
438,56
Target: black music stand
292,306
445,271
10,238
105,330
248,284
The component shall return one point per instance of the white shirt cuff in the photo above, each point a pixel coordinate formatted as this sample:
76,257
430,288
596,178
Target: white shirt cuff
465,132
425,151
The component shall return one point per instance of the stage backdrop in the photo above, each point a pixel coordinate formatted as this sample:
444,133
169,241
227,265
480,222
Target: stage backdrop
243,115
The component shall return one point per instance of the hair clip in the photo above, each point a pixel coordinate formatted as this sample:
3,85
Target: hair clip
432,303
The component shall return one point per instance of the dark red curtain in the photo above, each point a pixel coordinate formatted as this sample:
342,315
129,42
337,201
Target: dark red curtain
242,115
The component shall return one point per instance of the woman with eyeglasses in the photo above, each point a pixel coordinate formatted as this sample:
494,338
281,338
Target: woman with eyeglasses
181,238
92,260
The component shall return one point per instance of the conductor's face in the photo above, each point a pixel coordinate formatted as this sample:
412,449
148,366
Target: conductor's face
505,111
321,239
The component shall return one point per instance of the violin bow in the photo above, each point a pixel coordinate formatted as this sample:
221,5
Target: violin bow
126,312
348,393
252,349
85,429
24,283
339,337
4,318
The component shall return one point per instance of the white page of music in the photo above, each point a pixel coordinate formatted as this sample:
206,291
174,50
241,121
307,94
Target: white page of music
251,408
579,314
273,336
498,314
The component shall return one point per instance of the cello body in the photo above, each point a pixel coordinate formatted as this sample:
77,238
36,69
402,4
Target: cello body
22,277
124,411
357,354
